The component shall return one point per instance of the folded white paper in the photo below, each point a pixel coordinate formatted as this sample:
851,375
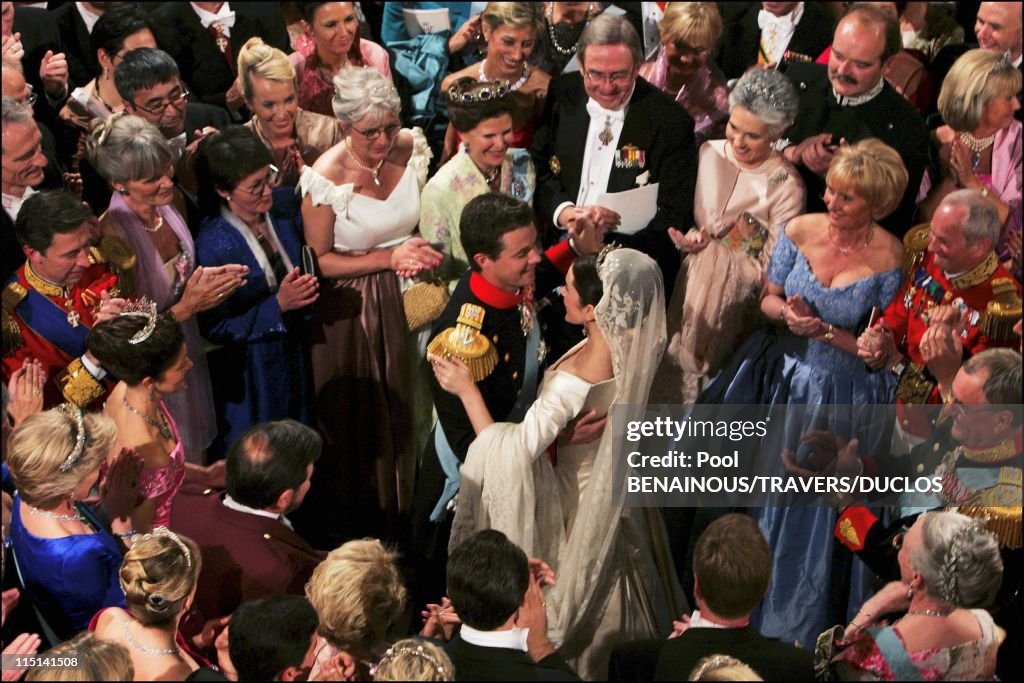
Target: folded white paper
636,207
419,21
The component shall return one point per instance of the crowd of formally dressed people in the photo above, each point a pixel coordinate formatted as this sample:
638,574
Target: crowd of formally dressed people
315,315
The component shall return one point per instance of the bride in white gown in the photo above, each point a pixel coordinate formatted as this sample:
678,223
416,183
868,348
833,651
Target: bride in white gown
616,580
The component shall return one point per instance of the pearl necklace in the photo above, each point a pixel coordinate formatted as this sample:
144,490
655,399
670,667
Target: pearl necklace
566,51
159,224
846,250
372,170
976,145
77,517
513,87
146,649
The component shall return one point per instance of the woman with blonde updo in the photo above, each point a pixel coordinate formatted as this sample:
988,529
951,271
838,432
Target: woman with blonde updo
294,136
158,577
359,595
95,660
415,659
68,559
510,30
827,271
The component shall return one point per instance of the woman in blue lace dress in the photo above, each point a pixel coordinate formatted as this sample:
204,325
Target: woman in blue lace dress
826,274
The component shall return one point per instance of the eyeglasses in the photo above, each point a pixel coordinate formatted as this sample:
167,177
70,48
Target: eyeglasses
374,133
31,98
617,78
177,100
269,180
899,537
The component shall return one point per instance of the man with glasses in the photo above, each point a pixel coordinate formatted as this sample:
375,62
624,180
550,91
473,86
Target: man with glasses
149,85
606,130
976,450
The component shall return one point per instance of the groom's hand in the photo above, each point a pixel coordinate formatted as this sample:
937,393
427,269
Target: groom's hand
585,429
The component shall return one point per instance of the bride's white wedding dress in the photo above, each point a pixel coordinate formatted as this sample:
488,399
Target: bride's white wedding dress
616,580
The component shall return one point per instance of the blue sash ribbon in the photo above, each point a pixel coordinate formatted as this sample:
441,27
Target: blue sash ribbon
51,322
895,654
450,463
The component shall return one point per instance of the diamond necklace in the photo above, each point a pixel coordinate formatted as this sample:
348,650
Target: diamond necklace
565,51
154,651
162,426
512,87
373,170
77,517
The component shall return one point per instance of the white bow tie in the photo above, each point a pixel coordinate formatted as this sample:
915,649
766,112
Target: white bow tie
225,17
597,111
766,19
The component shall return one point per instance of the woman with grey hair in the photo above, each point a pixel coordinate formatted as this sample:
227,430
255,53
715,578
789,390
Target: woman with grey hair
360,209
137,161
745,192
950,569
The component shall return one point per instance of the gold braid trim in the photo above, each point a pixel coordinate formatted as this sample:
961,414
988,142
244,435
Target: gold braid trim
78,385
465,342
1003,312
1000,507
915,246
13,295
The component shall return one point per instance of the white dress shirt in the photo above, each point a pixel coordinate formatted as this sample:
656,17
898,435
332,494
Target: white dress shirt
12,204
232,504
598,158
776,32
510,639
88,16
225,17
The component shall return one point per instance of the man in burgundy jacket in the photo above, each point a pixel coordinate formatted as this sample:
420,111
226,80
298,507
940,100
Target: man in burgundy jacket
248,546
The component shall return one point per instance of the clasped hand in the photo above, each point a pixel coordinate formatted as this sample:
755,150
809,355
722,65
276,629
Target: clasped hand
413,256
800,318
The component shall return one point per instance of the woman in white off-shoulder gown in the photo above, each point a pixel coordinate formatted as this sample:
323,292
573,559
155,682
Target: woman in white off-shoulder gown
615,577
360,211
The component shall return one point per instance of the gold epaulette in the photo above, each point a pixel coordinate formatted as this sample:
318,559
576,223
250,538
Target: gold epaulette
915,246
13,295
78,385
465,342
1000,507
1002,312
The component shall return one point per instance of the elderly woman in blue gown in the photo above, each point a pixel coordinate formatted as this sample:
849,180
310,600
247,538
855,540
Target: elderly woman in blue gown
261,371
827,272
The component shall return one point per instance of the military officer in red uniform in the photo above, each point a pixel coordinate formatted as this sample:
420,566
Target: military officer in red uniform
63,288
976,451
958,272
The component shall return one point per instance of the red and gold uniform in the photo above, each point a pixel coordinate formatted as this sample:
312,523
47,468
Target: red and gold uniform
49,323
988,292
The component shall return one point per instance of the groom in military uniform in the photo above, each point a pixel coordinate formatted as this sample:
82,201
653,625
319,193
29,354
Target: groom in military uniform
506,271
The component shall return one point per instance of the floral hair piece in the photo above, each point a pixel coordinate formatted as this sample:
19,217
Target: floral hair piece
143,308
603,254
81,438
395,651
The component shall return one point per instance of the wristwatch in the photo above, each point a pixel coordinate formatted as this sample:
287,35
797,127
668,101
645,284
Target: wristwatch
898,368
830,334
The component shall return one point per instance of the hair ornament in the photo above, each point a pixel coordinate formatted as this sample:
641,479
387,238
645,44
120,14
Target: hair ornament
949,583
141,308
162,531
468,91
756,90
712,663
603,254
396,651
81,438
157,601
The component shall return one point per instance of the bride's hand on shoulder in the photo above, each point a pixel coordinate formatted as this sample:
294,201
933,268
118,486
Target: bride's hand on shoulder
453,375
